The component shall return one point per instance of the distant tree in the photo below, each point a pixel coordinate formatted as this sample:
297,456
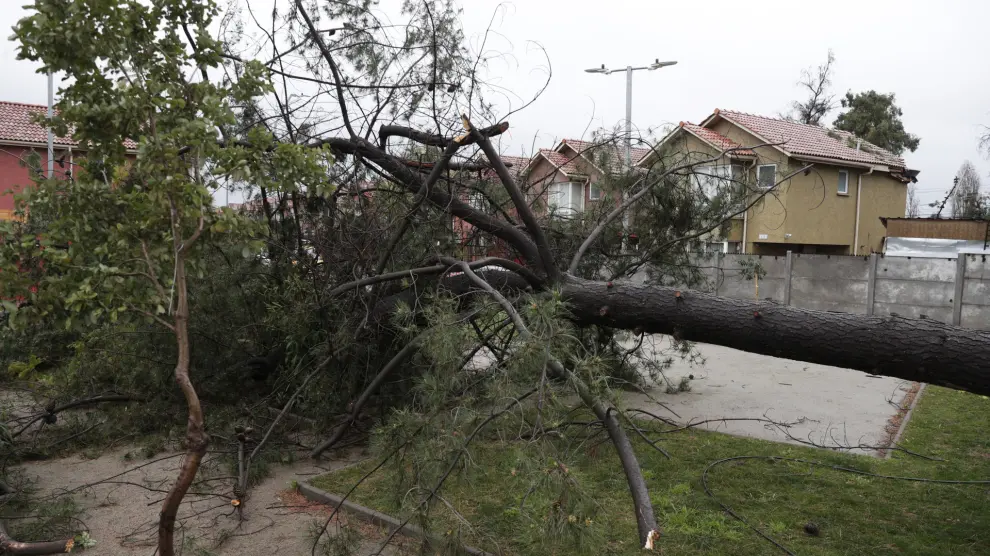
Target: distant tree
874,117
965,201
913,203
820,99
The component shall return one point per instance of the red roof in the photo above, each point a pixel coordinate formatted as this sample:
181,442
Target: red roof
562,162
17,125
515,164
812,140
615,155
716,139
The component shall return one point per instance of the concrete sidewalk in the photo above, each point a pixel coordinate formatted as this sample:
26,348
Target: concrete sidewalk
828,406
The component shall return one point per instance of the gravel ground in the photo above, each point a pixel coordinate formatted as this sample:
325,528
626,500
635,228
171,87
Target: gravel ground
122,517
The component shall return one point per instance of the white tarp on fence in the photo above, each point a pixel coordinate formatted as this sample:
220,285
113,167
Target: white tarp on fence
930,247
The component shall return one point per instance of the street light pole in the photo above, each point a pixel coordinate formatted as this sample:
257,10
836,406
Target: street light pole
51,136
629,72
626,217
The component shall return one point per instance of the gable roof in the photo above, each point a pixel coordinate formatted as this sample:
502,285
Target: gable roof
515,164
18,126
809,140
716,139
561,162
615,155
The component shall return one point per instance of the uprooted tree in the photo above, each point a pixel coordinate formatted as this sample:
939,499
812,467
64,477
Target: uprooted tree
398,244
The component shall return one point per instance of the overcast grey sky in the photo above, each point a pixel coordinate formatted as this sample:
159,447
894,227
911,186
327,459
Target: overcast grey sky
744,56
747,56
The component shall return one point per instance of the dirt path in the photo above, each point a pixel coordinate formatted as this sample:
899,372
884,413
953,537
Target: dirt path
121,513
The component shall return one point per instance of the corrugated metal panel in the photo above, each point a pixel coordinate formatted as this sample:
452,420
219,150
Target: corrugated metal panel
932,247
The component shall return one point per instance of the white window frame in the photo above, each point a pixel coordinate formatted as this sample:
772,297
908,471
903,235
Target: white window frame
838,188
774,182
712,179
573,197
592,189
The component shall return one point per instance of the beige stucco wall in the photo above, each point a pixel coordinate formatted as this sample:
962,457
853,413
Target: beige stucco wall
882,196
810,208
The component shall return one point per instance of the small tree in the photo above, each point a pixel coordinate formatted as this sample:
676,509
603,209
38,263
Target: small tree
123,237
966,200
820,99
874,117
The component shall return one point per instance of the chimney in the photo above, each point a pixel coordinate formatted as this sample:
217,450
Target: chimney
858,143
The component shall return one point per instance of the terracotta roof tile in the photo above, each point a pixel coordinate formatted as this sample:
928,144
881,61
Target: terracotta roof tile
563,162
811,140
616,154
16,124
516,165
716,139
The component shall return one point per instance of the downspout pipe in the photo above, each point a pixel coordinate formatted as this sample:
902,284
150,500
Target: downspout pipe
859,194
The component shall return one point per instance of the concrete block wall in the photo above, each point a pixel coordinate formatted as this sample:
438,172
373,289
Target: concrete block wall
954,291
912,287
827,283
976,293
739,283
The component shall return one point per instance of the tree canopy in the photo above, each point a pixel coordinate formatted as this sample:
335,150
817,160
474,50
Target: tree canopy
875,117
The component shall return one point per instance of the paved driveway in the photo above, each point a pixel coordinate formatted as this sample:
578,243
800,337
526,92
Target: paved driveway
827,406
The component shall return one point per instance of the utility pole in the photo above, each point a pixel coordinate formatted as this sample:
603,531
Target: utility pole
627,216
51,135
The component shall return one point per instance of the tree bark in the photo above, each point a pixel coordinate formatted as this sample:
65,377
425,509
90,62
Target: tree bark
10,546
912,349
921,350
196,437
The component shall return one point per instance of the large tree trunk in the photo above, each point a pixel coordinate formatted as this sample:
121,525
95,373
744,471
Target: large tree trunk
913,349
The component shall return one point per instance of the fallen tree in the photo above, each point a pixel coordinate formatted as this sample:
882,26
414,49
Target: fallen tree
367,240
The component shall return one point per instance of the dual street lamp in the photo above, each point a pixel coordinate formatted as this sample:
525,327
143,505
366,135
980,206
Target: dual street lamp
629,73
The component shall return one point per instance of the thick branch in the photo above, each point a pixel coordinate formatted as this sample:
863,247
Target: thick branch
56,409
525,214
10,546
431,139
524,272
315,35
421,195
439,198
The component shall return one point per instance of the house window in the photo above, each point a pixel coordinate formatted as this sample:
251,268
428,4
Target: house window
766,175
713,180
566,198
477,200
843,182
594,192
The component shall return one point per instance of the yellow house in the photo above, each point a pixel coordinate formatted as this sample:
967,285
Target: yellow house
834,207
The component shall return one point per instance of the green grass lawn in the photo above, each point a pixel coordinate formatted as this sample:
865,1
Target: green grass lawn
855,514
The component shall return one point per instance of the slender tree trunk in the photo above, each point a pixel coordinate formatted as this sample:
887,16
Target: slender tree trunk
196,437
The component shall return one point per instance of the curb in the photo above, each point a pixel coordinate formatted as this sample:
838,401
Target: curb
374,517
907,417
